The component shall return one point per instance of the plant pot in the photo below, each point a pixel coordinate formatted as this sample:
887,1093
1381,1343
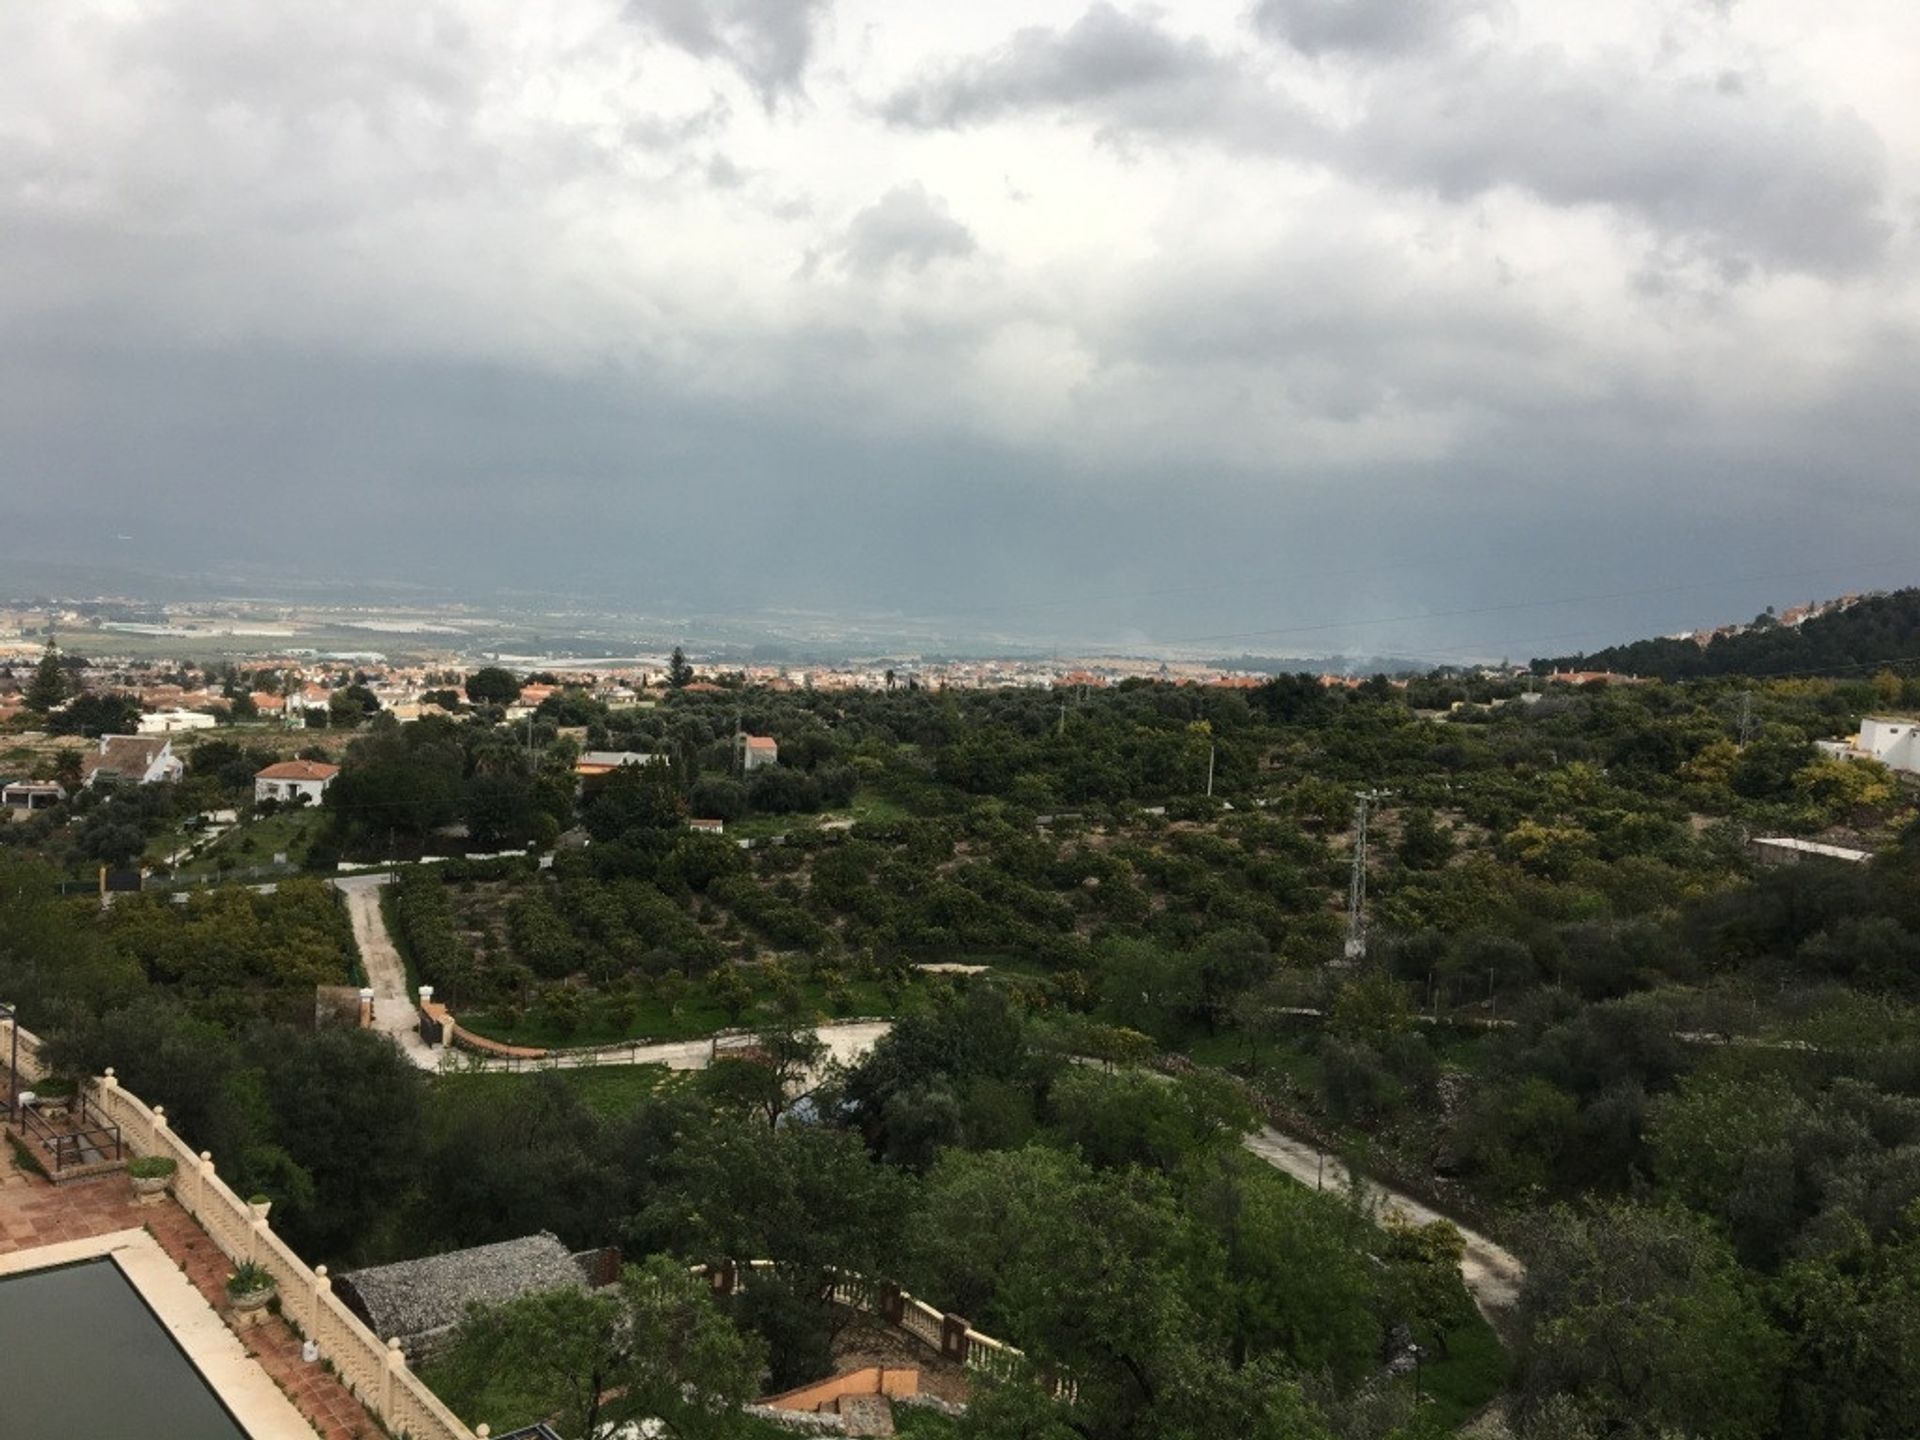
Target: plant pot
250,1306
260,1207
150,1189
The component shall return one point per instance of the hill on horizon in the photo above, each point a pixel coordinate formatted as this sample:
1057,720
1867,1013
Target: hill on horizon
1875,631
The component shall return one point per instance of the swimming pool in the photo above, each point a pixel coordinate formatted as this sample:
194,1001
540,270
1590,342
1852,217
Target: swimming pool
82,1355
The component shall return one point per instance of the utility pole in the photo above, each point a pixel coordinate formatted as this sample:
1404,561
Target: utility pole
1356,947
1063,717
1210,750
1746,717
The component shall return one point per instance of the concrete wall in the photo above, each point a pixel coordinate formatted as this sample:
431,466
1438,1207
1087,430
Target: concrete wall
891,1381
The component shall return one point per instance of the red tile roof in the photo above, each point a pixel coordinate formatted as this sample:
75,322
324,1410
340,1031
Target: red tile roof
298,770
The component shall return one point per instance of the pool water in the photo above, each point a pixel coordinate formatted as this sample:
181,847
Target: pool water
82,1355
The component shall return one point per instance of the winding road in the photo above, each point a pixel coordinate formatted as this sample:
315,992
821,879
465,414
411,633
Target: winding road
1491,1273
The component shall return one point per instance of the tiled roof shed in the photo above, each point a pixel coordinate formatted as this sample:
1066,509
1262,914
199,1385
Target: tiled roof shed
418,1301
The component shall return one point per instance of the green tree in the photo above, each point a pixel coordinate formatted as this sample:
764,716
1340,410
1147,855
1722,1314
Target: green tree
679,672
50,684
69,768
654,1349
1645,1316
492,685
93,715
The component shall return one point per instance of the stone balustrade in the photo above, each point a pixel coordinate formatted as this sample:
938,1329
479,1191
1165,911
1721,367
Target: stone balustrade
375,1371
950,1335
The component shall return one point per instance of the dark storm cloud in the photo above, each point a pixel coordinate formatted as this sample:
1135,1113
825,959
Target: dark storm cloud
770,42
1362,27
1123,70
392,293
906,227
1748,172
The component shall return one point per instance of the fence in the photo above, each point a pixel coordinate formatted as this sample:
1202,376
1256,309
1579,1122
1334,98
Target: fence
375,1371
74,1143
950,1335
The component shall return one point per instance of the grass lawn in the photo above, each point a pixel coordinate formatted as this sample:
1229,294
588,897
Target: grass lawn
611,1090
698,1016
254,843
866,808
1291,1056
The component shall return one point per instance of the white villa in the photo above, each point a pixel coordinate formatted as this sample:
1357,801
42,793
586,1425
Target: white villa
133,760
289,780
1893,740
167,722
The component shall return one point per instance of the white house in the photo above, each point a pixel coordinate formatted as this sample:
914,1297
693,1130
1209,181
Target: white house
758,750
1893,740
133,760
168,722
30,795
289,780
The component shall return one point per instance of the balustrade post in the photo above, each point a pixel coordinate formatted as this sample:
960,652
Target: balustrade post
953,1337
157,1129
389,1379
201,1174
321,1285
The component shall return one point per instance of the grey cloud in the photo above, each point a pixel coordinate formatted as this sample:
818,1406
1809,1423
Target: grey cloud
1122,69
905,227
1751,174
1748,173
770,42
1362,27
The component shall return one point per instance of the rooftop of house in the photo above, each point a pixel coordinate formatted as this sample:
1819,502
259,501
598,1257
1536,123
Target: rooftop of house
126,754
762,742
298,770
613,758
417,1300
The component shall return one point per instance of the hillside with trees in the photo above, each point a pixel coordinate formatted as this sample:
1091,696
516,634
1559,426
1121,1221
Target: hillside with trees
1878,631
1683,1086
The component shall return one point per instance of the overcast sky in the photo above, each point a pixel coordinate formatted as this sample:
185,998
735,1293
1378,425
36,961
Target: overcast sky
1259,327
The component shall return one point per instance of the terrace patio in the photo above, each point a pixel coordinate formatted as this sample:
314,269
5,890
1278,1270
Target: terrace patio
36,1214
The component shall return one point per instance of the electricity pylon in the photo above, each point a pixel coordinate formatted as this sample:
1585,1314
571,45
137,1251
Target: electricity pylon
1356,946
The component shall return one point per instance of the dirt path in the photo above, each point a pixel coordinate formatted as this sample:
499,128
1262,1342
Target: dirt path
1491,1273
394,1014
846,1041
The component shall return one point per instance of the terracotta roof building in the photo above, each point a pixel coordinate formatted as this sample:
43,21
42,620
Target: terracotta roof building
290,781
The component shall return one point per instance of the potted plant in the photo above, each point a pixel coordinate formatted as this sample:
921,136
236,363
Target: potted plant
260,1204
250,1288
54,1095
150,1174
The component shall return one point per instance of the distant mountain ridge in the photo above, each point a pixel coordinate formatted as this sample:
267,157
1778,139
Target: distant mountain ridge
1846,636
